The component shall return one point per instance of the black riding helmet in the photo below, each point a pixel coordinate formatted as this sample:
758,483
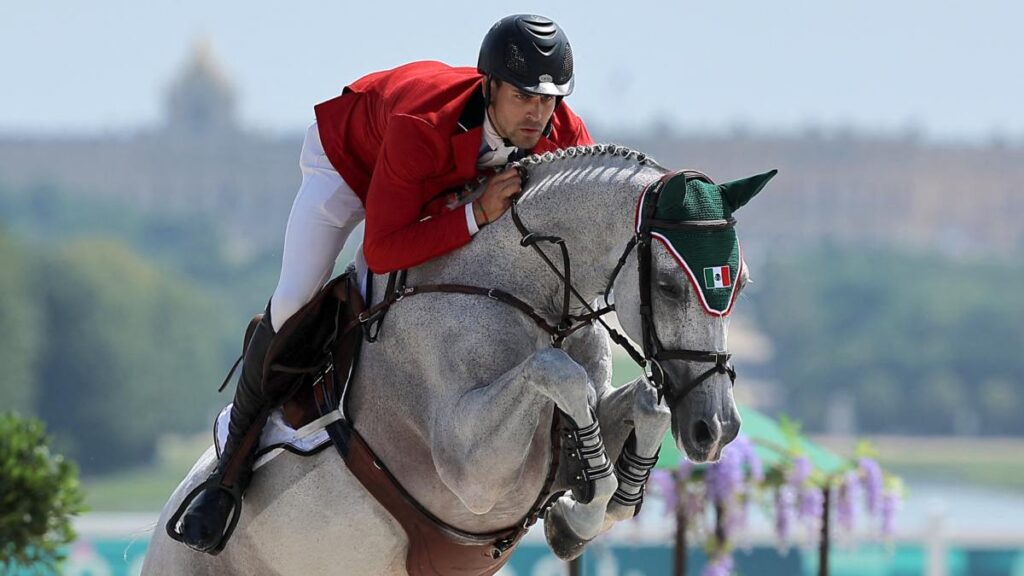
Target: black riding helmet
530,52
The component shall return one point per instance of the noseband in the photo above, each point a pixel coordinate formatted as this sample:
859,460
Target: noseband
654,352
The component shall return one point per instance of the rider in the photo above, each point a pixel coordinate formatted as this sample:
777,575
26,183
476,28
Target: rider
391,149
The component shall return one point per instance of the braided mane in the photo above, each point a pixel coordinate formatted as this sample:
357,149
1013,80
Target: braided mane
587,151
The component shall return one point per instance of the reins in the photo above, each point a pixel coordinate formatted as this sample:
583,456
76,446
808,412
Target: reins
653,353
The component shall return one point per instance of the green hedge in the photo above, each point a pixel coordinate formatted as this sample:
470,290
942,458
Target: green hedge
39,493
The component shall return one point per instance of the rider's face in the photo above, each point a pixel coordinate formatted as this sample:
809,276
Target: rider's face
519,116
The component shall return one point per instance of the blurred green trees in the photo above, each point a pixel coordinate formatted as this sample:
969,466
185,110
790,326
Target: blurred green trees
116,327
19,327
108,349
39,493
130,353
921,343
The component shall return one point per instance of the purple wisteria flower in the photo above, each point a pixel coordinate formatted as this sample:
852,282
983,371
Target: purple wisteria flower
724,479
800,473
890,504
807,500
663,483
784,503
848,493
724,484
871,481
811,503
749,458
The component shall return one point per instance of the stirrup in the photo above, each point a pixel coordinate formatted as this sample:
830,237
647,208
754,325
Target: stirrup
211,483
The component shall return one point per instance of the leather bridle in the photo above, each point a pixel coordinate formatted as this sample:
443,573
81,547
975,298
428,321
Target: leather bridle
653,352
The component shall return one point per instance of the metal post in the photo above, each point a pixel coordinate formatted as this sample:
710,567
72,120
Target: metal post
823,545
719,526
679,560
935,544
576,566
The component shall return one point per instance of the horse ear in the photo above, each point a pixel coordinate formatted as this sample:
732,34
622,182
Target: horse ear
739,192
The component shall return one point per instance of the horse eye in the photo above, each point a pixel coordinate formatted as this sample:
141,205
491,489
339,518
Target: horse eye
670,289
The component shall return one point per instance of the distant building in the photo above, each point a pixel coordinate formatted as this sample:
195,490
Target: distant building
199,159
843,189
201,101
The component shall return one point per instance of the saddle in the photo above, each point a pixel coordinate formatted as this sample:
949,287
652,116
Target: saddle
322,346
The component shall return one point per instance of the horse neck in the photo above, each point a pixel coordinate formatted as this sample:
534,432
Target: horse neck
590,203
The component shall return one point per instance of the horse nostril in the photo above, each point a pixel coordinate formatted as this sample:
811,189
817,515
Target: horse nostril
702,433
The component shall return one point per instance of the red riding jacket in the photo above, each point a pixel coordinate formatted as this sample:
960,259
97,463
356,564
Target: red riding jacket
400,138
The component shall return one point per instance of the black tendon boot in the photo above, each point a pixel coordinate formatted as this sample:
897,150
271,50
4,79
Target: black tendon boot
204,526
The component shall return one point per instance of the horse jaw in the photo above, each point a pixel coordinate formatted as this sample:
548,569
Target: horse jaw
706,420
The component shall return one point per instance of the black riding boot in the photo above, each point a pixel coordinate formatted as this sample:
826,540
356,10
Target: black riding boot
204,523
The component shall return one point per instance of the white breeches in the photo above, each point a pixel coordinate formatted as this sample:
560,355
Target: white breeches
324,213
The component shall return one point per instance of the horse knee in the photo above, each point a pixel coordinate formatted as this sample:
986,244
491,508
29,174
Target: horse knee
561,378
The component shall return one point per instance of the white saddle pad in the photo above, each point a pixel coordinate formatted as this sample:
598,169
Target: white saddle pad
278,436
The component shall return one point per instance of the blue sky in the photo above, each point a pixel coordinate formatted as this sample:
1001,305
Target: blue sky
948,70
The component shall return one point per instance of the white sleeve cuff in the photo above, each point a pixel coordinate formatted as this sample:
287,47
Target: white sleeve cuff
471,220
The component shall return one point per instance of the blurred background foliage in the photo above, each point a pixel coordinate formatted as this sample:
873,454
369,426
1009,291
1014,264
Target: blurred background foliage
39,493
919,343
116,326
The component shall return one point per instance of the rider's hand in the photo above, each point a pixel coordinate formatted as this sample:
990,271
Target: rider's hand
497,197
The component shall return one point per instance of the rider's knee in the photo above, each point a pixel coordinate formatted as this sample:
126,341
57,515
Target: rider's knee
283,305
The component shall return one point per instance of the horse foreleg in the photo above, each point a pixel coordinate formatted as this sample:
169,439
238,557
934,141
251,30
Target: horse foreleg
481,444
635,423
573,521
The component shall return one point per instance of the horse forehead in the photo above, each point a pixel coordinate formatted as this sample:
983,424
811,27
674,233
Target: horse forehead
691,199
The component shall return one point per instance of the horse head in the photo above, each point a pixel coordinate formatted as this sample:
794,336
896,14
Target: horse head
675,296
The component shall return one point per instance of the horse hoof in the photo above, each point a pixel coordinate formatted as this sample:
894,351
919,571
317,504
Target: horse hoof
562,540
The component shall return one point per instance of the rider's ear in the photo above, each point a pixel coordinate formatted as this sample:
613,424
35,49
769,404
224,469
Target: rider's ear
739,192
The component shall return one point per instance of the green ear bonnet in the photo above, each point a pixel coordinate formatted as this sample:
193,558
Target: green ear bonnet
693,219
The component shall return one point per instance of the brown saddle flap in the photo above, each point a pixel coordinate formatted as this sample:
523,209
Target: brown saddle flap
301,343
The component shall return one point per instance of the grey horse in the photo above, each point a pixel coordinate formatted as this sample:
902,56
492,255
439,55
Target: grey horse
458,394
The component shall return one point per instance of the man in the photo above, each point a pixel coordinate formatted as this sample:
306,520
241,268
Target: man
391,148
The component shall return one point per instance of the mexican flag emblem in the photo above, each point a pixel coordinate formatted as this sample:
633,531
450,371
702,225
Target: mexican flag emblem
717,277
